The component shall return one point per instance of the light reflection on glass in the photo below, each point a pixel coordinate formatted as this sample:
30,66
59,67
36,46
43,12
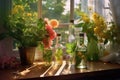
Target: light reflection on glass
23,73
42,75
50,73
61,68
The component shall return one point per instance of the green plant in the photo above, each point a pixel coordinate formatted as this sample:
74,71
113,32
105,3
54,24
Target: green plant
71,48
24,27
94,26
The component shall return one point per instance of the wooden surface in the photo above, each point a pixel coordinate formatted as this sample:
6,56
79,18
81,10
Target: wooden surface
95,71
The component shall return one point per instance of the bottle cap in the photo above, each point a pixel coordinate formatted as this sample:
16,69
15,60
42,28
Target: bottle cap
58,34
71,21
81,34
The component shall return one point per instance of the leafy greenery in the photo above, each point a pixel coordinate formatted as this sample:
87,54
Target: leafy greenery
94,26
26,35
23,26
88,29
58,53
27,3
70,48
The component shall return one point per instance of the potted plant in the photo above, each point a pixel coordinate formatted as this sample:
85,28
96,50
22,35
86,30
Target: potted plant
95,28
28,31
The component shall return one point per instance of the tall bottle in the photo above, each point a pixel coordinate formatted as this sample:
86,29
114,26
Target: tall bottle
71,42
58,55
80,56
71,36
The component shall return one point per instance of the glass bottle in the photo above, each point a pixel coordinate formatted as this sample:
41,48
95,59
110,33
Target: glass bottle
47,56
71,43
58,55
47,51
80,56
71,36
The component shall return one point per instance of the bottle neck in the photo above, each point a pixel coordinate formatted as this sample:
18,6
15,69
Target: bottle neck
58,40
81,39
71,36
71,28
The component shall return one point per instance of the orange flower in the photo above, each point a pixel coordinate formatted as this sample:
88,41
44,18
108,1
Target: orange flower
54,23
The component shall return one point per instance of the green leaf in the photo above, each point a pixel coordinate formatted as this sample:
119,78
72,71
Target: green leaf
79,25
70,47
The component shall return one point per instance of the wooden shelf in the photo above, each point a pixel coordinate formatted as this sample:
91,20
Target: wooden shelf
95,71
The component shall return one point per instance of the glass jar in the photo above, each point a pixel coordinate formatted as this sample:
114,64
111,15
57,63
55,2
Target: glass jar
58,50
47,56
71,43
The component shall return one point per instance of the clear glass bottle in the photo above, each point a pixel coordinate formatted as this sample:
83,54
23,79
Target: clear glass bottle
80,56
58,55
71,42
71,36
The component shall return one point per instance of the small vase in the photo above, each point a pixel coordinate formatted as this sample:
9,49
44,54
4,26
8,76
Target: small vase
39,54
92,50
27,55
47,56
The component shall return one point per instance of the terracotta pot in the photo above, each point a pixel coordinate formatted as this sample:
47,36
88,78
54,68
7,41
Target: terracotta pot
27,55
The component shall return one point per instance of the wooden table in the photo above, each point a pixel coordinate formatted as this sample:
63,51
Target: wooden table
95,71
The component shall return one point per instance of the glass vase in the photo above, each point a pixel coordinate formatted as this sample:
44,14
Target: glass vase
92,50
47,56
58,53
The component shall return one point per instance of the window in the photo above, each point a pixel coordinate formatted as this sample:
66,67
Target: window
107,11
62,10
59,9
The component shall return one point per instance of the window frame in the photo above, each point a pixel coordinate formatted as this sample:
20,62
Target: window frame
61,24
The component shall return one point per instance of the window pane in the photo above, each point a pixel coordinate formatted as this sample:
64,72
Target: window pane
58,9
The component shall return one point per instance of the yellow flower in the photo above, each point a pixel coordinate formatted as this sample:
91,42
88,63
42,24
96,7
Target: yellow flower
14,11
29,14
95,16
95,26
86,19
20,7
35,14
17,9
97,30
90,8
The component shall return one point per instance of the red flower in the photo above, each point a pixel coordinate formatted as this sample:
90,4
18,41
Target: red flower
51,32
47,41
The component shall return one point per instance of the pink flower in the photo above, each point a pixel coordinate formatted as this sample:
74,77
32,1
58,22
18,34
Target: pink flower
51,32
46,20
47,41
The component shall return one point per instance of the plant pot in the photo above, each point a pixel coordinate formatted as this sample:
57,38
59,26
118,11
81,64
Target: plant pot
27,55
